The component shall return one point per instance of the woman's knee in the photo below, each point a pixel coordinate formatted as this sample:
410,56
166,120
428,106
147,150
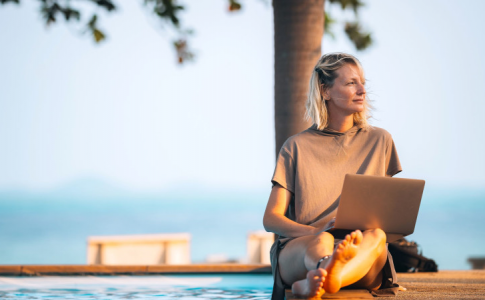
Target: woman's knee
323,239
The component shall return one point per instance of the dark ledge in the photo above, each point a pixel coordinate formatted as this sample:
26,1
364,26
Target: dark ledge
69,270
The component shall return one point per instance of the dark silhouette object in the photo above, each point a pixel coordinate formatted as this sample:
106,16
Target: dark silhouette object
478,263
407,258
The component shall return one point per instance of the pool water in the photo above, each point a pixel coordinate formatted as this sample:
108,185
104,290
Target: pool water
219,286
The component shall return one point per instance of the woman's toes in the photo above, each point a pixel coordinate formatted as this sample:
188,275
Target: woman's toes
358,237
321,272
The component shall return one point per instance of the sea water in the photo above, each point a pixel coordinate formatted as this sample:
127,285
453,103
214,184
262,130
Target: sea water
37,228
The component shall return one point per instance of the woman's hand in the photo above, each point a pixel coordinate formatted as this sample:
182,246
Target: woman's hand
321,228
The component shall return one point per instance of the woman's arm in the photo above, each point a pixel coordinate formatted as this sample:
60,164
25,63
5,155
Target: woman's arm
274,219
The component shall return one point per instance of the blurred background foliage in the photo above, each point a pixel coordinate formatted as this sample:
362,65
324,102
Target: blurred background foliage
169,13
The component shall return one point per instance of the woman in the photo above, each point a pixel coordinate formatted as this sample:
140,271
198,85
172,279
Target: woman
307,182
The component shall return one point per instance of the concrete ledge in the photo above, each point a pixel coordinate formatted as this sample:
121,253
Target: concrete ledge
211,268
40,270
11,270
70,270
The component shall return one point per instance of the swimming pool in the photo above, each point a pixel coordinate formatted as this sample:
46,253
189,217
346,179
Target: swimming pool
186,287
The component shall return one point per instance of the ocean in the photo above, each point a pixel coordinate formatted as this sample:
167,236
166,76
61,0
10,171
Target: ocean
52,228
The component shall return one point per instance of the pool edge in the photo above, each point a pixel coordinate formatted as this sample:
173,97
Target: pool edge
72,270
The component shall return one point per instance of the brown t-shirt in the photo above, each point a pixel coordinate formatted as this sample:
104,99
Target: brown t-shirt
312,166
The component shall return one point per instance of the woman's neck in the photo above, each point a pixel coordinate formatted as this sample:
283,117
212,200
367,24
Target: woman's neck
341,123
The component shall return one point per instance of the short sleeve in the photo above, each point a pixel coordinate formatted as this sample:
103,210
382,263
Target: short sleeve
393,165
284,173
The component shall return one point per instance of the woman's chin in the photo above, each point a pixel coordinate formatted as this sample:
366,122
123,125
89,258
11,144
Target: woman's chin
358,108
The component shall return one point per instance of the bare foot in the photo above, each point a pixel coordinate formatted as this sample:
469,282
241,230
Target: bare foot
343,253
312,286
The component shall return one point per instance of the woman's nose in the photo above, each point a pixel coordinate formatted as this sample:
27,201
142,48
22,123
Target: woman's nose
361,89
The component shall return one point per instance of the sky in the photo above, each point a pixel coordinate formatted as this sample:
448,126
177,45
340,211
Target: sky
123,112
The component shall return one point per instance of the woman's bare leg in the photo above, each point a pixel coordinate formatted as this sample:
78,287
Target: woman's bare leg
373,278
357,260
298,261
343,254
312,285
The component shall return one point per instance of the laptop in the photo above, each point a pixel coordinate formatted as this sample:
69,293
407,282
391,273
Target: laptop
369,202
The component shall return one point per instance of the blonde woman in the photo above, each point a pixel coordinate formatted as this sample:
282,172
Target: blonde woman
307,182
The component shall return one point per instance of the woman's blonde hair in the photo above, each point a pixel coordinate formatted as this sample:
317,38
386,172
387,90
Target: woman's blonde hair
323,77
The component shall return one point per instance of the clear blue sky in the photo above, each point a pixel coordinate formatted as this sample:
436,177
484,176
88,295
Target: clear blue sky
125,112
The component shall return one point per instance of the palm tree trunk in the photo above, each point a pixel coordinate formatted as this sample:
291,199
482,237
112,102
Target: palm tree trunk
298,27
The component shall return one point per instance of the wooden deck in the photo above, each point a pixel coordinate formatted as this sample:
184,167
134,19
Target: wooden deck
443,285
440,285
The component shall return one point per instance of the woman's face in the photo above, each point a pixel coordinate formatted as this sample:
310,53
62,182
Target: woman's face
347,95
